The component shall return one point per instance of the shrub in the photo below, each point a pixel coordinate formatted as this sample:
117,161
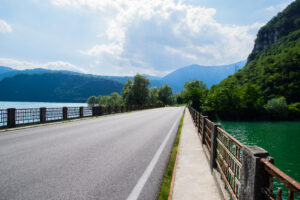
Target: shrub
277,107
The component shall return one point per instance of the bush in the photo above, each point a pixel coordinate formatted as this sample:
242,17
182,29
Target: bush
294,111
277,107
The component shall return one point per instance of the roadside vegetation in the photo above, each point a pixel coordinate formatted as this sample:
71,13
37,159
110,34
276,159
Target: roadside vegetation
168,176
136,92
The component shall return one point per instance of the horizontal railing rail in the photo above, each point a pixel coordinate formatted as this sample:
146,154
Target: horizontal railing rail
12,117
236,163
292,185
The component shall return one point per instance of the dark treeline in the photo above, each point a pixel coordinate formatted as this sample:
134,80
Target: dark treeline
136,92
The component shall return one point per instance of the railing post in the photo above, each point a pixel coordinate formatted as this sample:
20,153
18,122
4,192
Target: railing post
65,113
199,122
42,115
81,112
253,176
213,145
11,117
203,129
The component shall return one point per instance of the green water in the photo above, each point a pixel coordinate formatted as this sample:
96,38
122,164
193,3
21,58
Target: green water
280,139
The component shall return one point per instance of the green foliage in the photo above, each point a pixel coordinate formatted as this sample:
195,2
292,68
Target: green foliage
294,111
153,95
140,89
195,92
277,107
137,93
279,26
274,72
165,95
114,99
127,92
92,101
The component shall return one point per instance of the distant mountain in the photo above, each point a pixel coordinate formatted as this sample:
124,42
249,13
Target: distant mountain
5,69
210,75
55,87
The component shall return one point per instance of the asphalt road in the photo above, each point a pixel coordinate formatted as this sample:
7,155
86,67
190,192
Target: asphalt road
114,157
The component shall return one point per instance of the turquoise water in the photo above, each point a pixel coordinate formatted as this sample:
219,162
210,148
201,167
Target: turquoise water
280,139
15,104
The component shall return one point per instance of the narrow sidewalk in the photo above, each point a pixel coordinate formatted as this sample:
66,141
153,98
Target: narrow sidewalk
193,179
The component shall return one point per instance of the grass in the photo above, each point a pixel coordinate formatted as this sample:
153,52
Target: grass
166,182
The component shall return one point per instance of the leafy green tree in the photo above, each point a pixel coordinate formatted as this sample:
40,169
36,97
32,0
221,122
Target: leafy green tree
165,95
92,101
140,89
195,92
115,99
153,95
104,101
127,93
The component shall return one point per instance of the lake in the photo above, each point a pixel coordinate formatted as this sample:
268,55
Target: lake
15,104
280,139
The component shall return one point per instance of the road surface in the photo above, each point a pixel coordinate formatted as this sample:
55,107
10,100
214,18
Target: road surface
114,157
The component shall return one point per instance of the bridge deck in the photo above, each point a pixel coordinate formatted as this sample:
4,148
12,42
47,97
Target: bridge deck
193,179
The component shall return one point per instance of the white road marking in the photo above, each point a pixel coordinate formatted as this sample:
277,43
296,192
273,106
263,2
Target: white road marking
143,179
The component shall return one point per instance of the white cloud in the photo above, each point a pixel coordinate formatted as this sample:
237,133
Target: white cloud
276,8
162,35
56,65
112,49
4,27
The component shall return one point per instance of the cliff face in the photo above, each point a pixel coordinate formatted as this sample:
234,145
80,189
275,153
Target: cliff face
281,25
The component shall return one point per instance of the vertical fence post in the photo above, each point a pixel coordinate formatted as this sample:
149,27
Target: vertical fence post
213,145
81,112
65,113
11,117
42,115
253,176
199,123
203,129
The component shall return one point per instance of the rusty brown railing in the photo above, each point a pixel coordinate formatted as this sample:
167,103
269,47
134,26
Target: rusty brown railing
292,185
229,163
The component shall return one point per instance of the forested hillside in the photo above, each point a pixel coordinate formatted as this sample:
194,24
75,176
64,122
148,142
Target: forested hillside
270,82
55,87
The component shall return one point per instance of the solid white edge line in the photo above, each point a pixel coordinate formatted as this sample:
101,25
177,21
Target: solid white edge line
143,179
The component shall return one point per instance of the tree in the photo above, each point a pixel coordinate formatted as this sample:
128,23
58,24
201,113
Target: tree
127,93
165,94
195,92
140,89
92,101
115,99
153,95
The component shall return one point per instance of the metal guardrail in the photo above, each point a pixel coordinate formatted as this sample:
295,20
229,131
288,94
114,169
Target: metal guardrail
87,112
54,114
12,117
229,158
73,112
3,118
27,116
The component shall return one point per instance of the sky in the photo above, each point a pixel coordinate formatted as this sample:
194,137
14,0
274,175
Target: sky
125,37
